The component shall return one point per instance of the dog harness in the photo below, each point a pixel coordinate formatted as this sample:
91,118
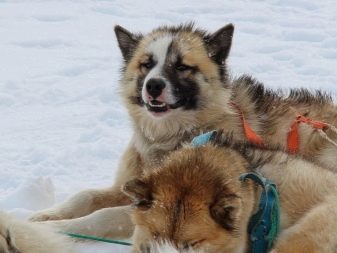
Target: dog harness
264,225
250,134
293,135
293,139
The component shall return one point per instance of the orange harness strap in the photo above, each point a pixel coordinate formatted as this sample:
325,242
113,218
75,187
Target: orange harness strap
293,135
248,131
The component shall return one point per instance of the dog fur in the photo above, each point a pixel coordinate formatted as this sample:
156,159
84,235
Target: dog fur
26,237
198,96
196,200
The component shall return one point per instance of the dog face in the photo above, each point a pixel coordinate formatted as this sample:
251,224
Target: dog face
195,200
173,69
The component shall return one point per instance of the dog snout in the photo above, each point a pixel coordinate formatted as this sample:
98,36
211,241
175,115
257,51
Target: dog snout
155,87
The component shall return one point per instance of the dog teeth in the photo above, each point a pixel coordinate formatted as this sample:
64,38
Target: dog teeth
160,105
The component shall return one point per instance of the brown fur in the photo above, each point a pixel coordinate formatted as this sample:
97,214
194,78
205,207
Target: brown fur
196,200
268,113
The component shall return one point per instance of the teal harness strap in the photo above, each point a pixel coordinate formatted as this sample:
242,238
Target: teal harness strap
264,225
96,238
202,139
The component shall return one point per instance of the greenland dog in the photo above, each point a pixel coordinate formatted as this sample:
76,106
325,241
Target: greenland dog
175,84
195,200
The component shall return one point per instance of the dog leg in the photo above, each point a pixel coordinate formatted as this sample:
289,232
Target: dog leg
114,223
88,201
141,241
314,233
83,203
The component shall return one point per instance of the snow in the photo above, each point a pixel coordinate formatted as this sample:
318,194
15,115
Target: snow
62,124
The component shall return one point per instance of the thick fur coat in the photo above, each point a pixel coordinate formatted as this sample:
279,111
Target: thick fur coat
175,85
195,200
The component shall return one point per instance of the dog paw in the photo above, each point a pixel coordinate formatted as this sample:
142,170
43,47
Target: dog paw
142,248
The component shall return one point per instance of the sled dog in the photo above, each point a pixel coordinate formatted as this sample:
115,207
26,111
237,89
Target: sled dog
175,84
195,200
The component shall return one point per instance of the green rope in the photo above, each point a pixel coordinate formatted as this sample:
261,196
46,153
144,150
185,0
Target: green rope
96,238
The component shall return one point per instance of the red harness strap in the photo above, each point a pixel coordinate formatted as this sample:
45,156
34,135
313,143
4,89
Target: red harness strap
248,131
293,135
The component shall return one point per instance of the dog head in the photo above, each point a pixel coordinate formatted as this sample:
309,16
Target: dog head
174,72
194,201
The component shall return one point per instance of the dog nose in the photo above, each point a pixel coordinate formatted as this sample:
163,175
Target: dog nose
155,87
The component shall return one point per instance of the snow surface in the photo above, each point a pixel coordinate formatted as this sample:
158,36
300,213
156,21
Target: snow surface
62,125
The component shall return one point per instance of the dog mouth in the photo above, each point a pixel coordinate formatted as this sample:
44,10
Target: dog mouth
157,106
162,107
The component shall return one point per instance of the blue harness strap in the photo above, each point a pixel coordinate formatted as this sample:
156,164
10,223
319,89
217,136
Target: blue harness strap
264,225
202,139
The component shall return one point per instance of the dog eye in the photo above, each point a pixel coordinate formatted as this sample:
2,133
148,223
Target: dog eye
147,65
155,235
195,243
183,67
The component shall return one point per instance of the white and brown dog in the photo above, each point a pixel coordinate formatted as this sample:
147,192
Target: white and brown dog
175,85
197,200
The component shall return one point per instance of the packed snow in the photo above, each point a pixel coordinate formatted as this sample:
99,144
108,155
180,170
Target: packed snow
63,127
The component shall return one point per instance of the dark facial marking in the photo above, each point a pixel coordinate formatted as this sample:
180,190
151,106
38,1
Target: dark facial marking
137,98
177,214
184,88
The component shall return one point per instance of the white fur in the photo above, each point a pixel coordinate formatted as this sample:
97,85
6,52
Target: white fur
159,49
169,248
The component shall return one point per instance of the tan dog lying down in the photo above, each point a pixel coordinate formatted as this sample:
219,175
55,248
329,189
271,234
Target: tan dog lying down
196,200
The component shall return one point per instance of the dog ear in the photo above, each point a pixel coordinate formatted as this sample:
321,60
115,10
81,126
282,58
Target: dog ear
219,43
226,211
127,41
139,192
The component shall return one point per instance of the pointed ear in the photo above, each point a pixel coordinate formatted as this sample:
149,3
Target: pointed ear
219,44
226,211
127,41
139,192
